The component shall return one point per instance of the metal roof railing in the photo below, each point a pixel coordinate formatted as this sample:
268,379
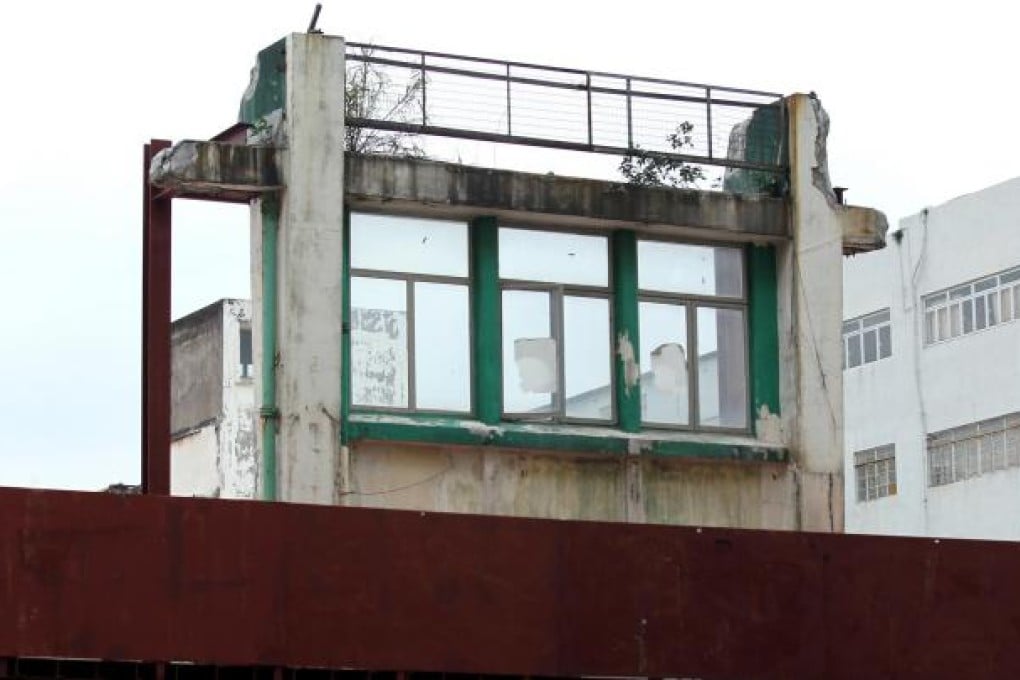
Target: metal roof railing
434,93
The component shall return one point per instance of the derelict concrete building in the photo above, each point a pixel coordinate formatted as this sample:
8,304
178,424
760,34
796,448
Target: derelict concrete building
425,332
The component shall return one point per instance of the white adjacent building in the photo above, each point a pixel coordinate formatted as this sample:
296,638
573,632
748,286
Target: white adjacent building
212,415
931,345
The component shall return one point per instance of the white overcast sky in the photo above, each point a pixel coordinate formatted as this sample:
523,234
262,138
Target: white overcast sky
922,97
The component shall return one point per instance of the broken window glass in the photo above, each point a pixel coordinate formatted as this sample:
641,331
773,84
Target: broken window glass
530,372
557,346
665,396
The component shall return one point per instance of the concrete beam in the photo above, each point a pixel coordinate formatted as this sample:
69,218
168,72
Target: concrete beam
454,190
864,229
210,169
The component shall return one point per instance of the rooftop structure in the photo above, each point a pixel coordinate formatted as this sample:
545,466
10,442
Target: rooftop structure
424,331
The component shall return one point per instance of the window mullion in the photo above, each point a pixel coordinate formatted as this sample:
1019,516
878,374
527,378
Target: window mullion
556,323
412,401
486,320
624,327
692,364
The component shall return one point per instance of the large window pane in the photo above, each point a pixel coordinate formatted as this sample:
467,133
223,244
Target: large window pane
442,347
530,369
697,270
408,244
379,366
553,257
587,358
722,374
664,363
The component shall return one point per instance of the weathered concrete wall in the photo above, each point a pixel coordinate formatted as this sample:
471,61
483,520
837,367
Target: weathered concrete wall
193,469
548,200
552,485
810,291
195,359
237,457
310,270
216,456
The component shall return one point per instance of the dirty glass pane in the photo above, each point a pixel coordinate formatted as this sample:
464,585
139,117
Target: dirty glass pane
870,346
587,358
664,364
530,372
979,312
853,351
379,342
696,270
968,316
722,370
408,244
442,347
884,342
553,257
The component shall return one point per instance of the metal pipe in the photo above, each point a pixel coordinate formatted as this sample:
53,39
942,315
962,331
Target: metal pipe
268,413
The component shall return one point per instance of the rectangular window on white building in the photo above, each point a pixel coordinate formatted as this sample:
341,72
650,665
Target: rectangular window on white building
971,307
875,471
867,339
974,449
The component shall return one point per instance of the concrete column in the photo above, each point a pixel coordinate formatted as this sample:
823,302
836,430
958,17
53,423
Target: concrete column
310,270
810,301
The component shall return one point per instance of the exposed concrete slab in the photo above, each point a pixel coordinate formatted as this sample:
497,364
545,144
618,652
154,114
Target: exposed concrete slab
864,229
451,190
216,168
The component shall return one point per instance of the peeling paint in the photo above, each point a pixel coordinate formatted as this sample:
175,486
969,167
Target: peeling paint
631,369
769,427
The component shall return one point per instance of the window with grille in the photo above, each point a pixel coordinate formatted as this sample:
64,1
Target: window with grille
972,307
974,449
866,339
875,471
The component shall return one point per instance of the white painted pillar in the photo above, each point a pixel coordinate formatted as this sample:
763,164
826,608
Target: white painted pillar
811,304
310,271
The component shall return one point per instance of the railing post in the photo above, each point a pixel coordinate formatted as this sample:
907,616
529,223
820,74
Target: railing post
708,107
424,115
630,120
509,130
587,79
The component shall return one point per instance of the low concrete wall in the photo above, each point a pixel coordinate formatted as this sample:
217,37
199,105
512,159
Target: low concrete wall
552,485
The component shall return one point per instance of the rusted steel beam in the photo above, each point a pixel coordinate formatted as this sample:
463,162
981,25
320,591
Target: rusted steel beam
156,247
226,583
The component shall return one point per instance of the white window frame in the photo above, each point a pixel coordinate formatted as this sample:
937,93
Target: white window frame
875,472
972,307
973,450
859,330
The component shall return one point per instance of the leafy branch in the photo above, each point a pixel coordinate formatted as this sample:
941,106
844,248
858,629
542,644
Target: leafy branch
652,170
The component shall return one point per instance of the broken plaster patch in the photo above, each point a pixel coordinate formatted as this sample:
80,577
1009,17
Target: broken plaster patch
768,426
631,370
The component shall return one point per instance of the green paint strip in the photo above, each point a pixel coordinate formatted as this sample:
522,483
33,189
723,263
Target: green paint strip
486,312
627,343
446,431
763,310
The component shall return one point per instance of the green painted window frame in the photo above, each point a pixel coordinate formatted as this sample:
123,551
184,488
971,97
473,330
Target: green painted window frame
486,362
